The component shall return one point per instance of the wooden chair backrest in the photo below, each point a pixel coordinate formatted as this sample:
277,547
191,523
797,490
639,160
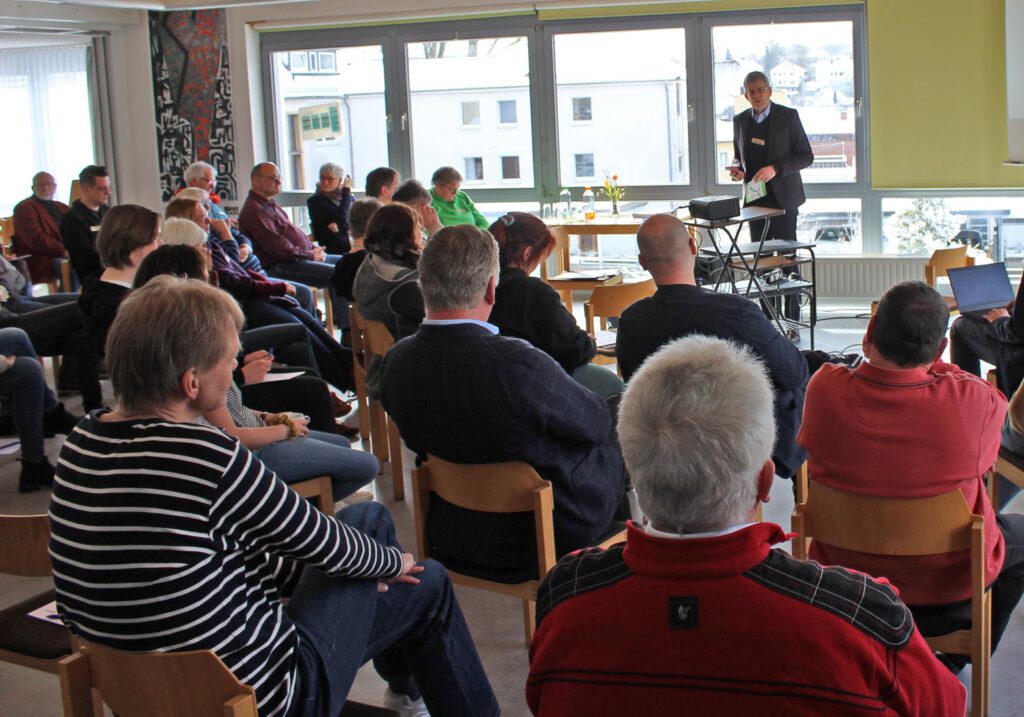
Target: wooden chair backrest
23,545
943,260
614,299
318,490
559,252
76,191
511,487
886,526
7,235
165,684
377,337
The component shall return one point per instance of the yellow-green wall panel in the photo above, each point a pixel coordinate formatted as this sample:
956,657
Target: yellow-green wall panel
938,94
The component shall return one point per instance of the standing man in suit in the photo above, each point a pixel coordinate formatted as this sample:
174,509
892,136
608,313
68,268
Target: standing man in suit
771,147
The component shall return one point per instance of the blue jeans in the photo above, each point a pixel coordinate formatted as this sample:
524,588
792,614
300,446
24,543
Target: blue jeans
415,634
314,273
304,295
26,387
320,454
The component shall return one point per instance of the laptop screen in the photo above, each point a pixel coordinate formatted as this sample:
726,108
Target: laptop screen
981,287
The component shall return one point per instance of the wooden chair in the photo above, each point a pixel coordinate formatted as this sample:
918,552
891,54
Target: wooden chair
25,640
560,255
7,236
608,301
909,527
377,341
512,487
166,684
325,295
75,192
319,491
359,359
941,262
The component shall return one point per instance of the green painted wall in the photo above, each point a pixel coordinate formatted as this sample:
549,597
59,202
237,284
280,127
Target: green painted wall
938,94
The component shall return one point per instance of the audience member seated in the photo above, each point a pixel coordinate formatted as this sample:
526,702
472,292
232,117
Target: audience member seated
525,307
697,613
285,250
414,194
381,183
232,540
80,226
306,393
680,308
459,391
328,209
345,270
35,409
996,338
264,302
453,206
129,232
386,286
203,177
37,230
904,424
55,329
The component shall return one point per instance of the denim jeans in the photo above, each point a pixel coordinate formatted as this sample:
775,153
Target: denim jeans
304,295
305,394
415,634
314,273
320,454
25,386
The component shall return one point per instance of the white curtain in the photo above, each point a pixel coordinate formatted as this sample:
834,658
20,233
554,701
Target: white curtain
46,122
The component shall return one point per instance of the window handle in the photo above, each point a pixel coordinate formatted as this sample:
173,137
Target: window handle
691,111
405,121
387,122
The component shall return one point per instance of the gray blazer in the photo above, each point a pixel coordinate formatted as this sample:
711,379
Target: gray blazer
789,151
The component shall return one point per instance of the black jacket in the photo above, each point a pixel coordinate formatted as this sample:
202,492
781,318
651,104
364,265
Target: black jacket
788,148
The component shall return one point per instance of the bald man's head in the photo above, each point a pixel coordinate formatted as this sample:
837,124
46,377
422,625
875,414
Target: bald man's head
665,248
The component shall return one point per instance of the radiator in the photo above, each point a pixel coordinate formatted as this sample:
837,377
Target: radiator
868,276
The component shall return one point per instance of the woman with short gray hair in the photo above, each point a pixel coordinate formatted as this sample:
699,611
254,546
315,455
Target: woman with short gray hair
329,207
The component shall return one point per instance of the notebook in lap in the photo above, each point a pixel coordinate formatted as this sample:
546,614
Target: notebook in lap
981,288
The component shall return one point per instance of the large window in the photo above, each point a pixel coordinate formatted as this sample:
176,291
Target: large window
623,93
990,226
354,88
490,79
810,66
47,121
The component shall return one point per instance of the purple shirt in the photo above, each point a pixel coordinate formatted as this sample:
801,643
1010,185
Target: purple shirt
274,237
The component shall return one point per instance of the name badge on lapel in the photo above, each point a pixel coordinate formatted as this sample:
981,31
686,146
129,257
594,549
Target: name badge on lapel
757,140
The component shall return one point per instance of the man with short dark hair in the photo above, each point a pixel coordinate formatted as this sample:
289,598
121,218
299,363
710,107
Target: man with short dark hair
37,230
381,183
680,308
459,391
904,424
81,224
698,613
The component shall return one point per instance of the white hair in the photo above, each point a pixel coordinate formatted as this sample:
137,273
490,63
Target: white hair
200,195
183,231
196,170
696,425
332,169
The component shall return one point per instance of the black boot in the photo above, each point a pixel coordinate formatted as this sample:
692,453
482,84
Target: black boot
35,475
58,420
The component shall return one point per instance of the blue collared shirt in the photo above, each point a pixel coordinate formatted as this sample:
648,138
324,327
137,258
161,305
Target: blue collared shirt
452,322
759,118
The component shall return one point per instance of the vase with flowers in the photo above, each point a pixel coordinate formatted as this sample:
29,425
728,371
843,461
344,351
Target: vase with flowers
614,191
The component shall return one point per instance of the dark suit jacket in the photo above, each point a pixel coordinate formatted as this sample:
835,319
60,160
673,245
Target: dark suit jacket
468,396
788,149
79,238
679,310
36,233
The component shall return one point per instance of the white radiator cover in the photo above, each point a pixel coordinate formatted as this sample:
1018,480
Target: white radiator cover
865,276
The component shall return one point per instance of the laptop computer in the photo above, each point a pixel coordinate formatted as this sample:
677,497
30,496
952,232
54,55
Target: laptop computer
980,288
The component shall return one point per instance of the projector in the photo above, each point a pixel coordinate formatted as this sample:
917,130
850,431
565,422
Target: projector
715,208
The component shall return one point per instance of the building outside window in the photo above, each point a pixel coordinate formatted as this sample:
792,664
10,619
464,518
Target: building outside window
581,109
507,112
510,167
471,114
474,169
584,166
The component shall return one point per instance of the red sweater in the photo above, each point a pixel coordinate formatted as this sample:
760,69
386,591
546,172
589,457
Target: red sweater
36,233
906,434
727,626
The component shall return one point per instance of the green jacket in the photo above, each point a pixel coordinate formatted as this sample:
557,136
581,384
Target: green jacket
458,211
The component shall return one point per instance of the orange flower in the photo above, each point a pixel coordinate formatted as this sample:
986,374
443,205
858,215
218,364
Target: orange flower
615,177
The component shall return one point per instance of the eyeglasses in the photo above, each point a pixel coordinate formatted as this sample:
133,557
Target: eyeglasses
276,179
757,90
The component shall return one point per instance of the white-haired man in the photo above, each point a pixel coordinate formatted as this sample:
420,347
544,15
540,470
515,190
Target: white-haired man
697,612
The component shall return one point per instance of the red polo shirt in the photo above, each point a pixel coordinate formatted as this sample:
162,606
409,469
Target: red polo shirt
906,434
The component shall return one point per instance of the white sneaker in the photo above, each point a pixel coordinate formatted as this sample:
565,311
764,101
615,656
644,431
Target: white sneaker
403,705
